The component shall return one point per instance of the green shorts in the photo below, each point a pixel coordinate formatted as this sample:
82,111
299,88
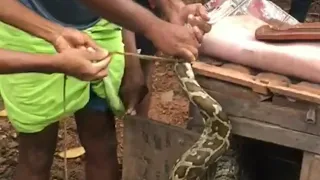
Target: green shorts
35,100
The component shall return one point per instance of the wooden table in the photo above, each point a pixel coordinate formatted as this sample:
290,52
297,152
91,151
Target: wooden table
267,107
262,106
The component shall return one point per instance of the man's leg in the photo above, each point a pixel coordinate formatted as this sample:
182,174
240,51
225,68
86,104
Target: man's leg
36,152
147,48
299,9
97,134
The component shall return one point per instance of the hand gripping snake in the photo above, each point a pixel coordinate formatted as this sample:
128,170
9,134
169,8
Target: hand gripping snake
214,140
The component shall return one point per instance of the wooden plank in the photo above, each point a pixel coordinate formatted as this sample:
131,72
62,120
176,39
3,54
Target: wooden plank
267,132
293,119
310,167
284,101
151,148
295,93
230,75
315,168
275,134
231,89
257,84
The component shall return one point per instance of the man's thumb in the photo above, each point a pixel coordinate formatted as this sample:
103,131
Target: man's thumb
97,55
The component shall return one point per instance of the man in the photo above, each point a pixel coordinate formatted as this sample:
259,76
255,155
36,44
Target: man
299,9
176,12
35,101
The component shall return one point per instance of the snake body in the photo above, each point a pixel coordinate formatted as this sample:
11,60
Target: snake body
214,140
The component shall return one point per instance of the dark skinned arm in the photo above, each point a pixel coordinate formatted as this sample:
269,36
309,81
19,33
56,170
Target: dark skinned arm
17,62
170,8
28,21
127,14
129,41
177,12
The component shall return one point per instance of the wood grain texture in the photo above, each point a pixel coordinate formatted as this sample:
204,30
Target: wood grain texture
151,148
310,167
259,83
284,32
238,105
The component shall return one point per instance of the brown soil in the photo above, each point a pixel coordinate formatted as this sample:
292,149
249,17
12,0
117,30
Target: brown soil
169,105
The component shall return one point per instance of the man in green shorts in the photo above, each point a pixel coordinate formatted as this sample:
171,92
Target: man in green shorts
35,102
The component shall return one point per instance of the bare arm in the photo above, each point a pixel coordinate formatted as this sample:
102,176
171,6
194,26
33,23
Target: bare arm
170,8
123,12
129,41
17,62
14,13
127,14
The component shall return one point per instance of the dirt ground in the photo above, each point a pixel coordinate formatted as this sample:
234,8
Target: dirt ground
168,105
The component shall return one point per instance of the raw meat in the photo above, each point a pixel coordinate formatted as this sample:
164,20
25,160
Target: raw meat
232,39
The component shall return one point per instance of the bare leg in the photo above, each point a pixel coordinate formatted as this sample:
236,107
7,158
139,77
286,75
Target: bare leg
146,47
144,105
36,152
98,136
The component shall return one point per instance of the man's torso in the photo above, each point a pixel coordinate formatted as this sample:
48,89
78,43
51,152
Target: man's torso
70,13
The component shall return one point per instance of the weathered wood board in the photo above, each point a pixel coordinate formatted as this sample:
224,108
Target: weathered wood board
151,148
279,106
260,82
310,167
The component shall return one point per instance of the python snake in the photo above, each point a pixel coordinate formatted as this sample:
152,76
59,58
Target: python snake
214,140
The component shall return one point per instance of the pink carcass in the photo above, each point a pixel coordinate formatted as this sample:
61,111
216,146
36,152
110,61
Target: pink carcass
233,39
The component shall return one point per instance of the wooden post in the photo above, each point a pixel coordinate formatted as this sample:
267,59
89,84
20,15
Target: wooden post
310,169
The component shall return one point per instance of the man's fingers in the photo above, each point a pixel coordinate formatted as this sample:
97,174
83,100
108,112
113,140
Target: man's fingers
202,12
198,9
198,33
100,69
101,64
187,54
96,55
198,21
203,25
194,51
60,45
89,42
100,75
82,48
195,41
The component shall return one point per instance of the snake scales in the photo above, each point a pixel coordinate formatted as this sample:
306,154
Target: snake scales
214,140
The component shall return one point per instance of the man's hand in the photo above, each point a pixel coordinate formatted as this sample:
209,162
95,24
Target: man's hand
175,40
84,64
72,38
193,14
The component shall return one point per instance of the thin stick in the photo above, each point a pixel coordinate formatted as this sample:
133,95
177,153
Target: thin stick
65,162
148,57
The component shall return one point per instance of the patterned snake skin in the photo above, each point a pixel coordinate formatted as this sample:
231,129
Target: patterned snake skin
214,140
